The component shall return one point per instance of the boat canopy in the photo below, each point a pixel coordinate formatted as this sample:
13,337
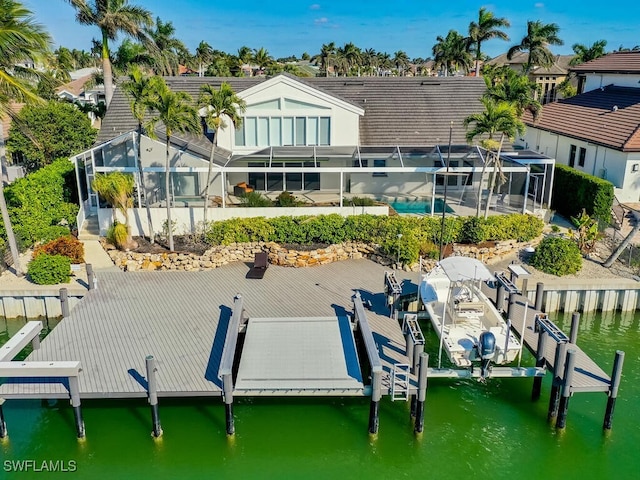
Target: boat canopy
458,269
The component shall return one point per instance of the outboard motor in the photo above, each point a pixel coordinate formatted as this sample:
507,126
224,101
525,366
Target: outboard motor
486,351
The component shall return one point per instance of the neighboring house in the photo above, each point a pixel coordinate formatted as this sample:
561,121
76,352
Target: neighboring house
325,139
598,131
548,79
78,91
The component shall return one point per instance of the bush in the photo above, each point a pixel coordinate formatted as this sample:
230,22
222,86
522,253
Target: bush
48,269
255,199
285,199
117,234
557,256
360,201
66,246
472,231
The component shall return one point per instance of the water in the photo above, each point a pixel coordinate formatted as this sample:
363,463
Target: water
471,431
417,207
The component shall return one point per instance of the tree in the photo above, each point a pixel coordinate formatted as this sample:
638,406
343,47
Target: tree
262,59
165,51
204,56
141,91
47,132
497,117
326,56
112,17
401,61
177,115
586,54
117,189
485,29
20,37
221,104
539,36
506,85
348,57
452,52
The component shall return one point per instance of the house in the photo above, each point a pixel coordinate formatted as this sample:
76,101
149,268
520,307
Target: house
81,91
325,140
598,131
547,78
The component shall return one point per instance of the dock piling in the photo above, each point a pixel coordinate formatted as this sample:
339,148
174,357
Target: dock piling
152,390
575,322
91,277
376,395
422,392
512,301
566,388
74,390
540,362
613,392
3,424
227,386
418,349
500,297
539,295
64,302
558,366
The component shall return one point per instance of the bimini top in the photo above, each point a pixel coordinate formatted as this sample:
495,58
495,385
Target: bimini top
464,268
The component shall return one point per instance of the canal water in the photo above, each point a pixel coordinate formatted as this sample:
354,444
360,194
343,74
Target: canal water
472,430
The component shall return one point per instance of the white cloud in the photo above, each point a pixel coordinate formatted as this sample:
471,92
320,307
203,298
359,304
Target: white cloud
539,5
321,21
315,6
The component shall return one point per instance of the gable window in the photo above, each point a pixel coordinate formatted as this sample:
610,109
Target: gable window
283,131
583,154
572,156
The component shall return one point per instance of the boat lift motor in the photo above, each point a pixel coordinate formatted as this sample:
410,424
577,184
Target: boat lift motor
486,351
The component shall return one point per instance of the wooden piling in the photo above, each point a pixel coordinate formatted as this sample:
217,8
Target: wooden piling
540,362
422,392
376,395
575,322
91,277
152,391
64,302
3,424
558,366
539,295
616,374
74,390
567,378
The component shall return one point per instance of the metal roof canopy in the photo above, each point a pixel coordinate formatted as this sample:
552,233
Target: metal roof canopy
314,355
465,268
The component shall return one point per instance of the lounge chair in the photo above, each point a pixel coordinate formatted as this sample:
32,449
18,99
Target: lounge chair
260,264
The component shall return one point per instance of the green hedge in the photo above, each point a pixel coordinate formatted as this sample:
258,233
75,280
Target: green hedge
406,235
557,256
574,190
48,269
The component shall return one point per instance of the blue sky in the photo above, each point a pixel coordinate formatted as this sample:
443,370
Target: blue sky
287,27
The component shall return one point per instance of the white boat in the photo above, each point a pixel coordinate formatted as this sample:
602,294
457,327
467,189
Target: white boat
469,325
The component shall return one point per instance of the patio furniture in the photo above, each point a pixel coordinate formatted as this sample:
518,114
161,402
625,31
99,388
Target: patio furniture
241,189
260,265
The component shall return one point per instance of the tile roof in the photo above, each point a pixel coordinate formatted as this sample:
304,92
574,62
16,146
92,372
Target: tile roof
398,110
608,117
560,63
617,62
76,87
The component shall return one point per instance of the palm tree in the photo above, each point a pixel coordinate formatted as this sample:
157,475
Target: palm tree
117,189
349,57
326,55
507,85
401,61
486,29
262,59
586,54
539,36
165,51
452,52
20,37
497,117
141,90
112,17
244,55
220,105
175,112
204,56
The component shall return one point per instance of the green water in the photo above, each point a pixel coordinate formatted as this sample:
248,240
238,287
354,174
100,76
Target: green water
471,431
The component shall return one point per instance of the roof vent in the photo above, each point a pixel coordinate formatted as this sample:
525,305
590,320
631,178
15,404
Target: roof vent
615,108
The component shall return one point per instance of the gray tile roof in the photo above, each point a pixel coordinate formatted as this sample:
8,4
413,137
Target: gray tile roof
398,110
616,62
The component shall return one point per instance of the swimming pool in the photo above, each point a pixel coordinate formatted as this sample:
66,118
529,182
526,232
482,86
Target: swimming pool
415,206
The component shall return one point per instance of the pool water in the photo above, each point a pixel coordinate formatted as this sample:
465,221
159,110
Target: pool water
417,207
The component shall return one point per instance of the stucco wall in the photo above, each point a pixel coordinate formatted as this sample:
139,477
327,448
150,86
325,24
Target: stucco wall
594,81
419,184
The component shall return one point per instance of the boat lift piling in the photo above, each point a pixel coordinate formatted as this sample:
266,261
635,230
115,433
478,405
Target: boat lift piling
152,389
567,378
540,362
616,374
74,390
422,393
539,296
3,424
558,367
575,322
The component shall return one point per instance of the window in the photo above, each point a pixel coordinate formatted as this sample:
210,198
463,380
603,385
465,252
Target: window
301,131
324,131
572,156
312,131
583,154
283,131
379,163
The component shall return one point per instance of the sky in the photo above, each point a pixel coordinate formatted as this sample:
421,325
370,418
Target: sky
289,27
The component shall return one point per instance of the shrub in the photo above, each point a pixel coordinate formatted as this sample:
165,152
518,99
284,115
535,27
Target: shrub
472,231
66,246
48,269
285,199
255,199
557,256
360,201
118,235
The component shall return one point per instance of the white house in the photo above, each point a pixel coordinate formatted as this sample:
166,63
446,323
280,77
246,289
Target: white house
597,131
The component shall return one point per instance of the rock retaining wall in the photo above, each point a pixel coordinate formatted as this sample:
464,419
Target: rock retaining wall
279,255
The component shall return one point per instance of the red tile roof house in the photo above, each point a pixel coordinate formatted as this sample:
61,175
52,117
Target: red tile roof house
598,131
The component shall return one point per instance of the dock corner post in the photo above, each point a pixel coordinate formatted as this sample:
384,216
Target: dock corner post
422,392
540,362
152,391
376,395
558,367
613,392
91,277
575,322
227,385
64,302
3,424
74,390
539,296
566,389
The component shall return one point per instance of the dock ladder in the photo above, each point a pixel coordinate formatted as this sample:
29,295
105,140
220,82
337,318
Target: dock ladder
400,382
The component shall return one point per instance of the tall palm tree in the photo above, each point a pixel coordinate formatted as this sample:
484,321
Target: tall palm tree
370,61
497,117
452,52
536,41
350,57
204,56
221,105
141,90
507,85
165,50
112,17
326,56
401,61
20,37
586,54
485,29
177,115
262,59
